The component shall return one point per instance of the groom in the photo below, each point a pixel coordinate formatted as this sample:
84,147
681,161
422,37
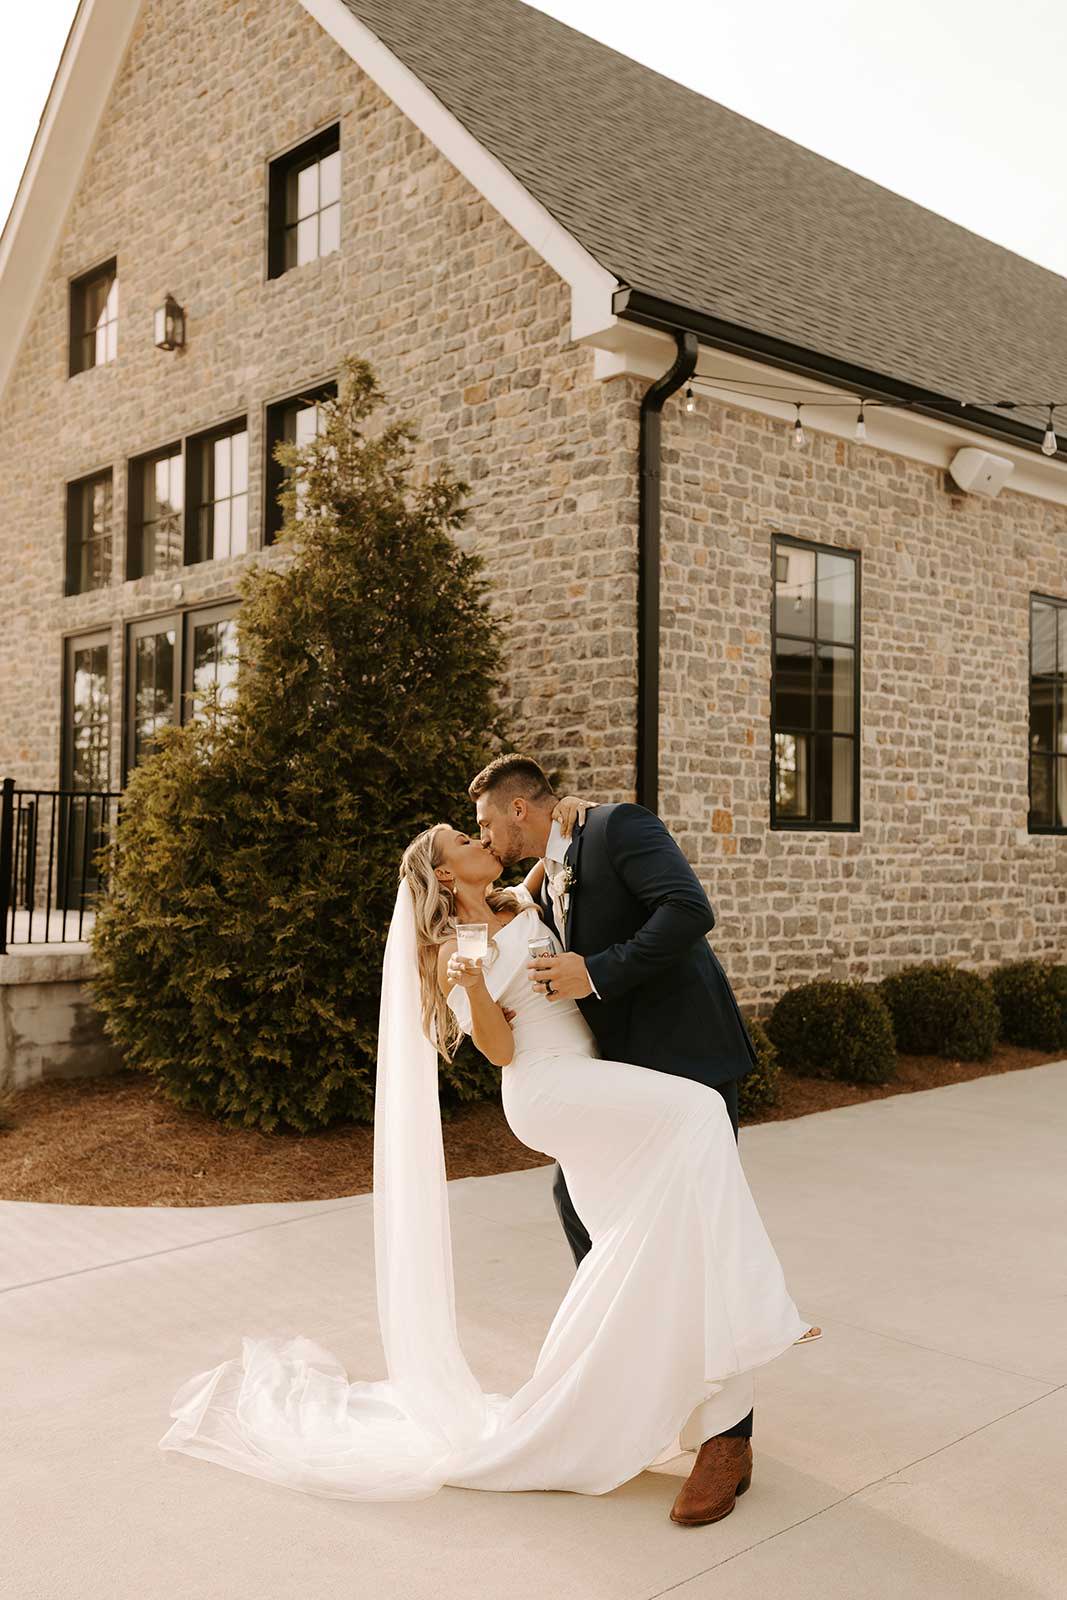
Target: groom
631,915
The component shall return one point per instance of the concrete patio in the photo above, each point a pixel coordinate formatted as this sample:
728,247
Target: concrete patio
916,1450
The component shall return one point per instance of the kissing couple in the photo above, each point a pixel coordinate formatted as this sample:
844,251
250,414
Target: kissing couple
620,1045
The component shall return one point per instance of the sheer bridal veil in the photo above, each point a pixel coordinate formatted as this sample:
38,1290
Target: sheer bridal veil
286,1410
412,1233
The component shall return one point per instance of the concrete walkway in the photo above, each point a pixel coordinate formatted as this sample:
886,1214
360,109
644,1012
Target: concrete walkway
917,1450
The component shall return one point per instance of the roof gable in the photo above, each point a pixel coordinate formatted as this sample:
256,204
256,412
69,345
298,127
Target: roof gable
614,173
696,205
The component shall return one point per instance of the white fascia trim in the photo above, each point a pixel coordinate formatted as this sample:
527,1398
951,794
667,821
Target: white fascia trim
591,285
899,431
87,69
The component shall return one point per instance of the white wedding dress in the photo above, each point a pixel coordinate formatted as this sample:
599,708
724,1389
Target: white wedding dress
680,1294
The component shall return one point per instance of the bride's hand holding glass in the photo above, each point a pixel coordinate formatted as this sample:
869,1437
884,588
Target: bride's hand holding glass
465,972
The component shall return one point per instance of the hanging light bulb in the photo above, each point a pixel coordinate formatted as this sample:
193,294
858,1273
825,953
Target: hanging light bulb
1049,444
799,440
861,426
690,403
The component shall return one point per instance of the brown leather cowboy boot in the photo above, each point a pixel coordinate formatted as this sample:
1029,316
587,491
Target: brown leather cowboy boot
722,1471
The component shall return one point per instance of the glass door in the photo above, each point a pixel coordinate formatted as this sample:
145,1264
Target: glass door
151,682
85,769
210,657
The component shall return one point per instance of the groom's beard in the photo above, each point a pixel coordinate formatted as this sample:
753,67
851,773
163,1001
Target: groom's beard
513,850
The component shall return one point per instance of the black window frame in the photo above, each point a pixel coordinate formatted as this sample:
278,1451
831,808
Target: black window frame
134,629
273,432
85,639
72,872
192,618
195,443
183,619
74,544
1059,698
136,467
77,333
780,541
324,143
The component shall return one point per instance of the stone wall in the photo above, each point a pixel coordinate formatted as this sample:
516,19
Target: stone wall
467,328
468,331
943,865
48,1026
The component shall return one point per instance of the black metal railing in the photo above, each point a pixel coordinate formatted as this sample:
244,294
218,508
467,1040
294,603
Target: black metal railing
50,864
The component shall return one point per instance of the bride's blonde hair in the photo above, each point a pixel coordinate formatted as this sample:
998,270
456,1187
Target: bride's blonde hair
435,921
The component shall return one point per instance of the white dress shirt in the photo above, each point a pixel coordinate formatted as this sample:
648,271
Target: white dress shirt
554,861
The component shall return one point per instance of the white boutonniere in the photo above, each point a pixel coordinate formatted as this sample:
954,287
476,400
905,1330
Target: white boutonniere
563,883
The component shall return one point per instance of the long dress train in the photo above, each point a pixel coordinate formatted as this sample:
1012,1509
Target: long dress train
680,1293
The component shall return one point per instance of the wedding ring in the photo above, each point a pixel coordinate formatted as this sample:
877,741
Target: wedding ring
548,986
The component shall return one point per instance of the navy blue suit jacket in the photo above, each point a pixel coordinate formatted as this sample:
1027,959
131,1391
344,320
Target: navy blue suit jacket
638,915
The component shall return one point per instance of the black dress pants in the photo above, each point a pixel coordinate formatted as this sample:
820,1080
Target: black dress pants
581,1244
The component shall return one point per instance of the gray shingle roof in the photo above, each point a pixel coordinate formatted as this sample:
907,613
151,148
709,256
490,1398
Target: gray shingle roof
692,203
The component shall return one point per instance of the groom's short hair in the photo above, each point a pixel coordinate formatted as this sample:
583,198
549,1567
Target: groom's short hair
509,775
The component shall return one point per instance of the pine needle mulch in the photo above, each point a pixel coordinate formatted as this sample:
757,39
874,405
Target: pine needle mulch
115,1141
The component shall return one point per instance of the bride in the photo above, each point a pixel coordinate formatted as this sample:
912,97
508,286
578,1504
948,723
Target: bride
680,1292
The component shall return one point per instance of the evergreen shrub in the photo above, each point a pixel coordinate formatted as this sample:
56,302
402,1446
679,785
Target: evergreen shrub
834,1029
1031,997
760,1088
940,1009
239,949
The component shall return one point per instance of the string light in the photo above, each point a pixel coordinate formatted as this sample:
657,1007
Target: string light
821,398
1049,445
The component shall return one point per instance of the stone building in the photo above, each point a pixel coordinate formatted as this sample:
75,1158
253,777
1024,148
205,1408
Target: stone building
839,671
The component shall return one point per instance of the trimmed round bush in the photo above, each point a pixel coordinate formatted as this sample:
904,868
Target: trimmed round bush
834,1029
759,1090
941,1009
1032,999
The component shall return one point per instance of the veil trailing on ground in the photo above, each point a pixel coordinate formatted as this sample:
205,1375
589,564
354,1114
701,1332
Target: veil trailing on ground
286,1410
412,1233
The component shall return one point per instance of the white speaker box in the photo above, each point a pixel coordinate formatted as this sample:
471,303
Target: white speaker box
980,471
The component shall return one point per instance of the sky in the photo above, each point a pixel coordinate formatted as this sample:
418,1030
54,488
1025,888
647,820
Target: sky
956,104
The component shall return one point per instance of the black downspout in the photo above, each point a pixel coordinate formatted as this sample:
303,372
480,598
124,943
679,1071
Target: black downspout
648,566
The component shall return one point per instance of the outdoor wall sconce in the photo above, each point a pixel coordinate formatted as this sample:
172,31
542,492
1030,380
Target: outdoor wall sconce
170,325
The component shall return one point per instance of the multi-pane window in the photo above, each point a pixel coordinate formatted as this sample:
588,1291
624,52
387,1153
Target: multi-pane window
170,663
89,505
156,497
296,421
217,498
304,203
1048,715
814,686
94,314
